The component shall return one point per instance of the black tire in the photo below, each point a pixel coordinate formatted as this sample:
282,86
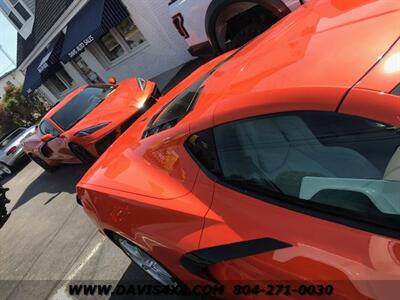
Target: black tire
245,35
82,154
276,8
41,163
5,170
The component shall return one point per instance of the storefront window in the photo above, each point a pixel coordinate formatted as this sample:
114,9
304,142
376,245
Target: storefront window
130,33
59,82
55,85
64,76
120,41
111,48
83,68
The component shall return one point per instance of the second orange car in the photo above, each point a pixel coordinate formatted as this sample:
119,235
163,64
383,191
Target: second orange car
83,125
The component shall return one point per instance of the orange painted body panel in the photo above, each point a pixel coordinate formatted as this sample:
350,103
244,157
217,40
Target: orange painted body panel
118,107
321,253
386,75
152,192
373,105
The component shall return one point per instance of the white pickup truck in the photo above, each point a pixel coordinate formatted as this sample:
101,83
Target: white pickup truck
216,26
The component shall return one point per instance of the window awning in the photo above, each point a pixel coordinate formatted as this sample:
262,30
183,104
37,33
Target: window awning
43,66
94,20
32,78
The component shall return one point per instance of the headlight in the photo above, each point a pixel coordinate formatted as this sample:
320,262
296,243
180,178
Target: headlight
92,129
141,83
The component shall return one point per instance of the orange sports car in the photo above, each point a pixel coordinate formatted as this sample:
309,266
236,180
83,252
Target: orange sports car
84,124
272,170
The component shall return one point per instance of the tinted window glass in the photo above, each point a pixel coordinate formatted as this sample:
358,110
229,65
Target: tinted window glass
320,158
46,128
178,108
201,146
8,139
80,106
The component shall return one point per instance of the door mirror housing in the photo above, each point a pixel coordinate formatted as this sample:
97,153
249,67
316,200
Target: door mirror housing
112,80
47,137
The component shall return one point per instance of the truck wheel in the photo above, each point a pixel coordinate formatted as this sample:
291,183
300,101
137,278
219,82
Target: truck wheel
244,35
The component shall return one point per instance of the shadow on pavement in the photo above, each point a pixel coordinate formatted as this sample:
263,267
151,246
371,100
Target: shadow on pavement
62,180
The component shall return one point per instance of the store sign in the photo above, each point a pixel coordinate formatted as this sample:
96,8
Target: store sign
43,63
82,45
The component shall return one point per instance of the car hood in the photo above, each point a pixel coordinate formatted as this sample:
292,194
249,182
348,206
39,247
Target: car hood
323,44
124,101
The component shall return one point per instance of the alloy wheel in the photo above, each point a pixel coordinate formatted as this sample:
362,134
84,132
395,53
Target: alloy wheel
147,263
4,169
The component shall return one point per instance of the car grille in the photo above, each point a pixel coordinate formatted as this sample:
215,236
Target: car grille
103,144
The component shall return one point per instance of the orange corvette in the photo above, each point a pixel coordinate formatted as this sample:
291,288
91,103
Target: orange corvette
273,170
83,125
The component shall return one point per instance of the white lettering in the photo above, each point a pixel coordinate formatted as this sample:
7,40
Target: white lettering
81,46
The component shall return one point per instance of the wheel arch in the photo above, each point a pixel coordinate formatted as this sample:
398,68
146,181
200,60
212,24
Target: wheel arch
277,7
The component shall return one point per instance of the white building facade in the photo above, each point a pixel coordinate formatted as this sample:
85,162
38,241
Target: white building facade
142,42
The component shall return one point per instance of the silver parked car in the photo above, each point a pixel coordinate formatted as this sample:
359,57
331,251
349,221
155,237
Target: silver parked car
11,148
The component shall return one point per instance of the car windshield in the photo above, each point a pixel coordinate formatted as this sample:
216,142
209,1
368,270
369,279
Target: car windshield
8,139
81,105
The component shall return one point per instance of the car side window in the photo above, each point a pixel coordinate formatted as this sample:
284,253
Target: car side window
46,128
324,160
201,146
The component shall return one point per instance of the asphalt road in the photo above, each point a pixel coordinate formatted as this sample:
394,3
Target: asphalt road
48,241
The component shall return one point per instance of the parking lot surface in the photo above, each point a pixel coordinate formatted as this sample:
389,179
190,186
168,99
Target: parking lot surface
48,241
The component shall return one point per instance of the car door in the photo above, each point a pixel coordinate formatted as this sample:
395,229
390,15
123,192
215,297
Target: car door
57,148
305,203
